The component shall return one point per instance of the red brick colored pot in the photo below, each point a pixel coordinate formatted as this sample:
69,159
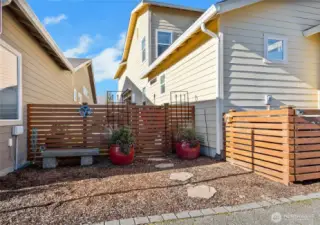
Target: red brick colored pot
178,148
119,158
186,152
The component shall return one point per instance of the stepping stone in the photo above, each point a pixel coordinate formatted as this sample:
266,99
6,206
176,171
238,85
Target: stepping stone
183,176
156,159
165,165
201,191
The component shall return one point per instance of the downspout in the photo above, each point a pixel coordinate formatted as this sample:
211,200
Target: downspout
218,90
5,2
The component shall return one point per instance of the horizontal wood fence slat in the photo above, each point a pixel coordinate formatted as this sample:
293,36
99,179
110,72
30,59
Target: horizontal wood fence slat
282,145
60,126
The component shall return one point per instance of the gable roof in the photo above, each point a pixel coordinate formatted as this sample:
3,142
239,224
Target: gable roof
30,21
143,5
79,63
194,31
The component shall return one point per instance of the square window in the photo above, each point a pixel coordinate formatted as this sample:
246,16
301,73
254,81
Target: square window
164,40
276,49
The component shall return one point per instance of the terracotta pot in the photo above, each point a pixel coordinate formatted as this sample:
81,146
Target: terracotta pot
186,152
119,158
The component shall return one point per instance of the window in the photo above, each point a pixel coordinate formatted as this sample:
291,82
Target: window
75,95
162,84
10,85
276,48
153,81
85,91
80,98
143,49
164,40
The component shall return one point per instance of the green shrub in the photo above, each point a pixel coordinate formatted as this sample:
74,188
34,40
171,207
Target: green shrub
124,138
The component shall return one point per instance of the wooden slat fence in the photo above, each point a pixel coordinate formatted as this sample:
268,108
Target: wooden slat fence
62,127
282,145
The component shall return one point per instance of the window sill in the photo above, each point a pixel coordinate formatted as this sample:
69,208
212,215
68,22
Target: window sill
5,123
274,61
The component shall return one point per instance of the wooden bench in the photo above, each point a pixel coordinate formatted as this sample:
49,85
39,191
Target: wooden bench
50,156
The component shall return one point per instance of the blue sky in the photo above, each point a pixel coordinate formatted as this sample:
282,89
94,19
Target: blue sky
94,28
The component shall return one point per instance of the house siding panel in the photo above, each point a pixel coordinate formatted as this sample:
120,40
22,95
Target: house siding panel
176,21
43,82
247,78
131,77
195,73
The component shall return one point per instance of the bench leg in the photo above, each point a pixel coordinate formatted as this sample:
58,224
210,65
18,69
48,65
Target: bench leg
86,160
49,163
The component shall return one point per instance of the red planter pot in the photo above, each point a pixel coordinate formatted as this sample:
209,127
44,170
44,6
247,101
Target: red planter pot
178,148
118,158
186,152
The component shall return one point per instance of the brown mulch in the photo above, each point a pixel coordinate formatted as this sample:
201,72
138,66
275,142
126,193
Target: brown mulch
75,195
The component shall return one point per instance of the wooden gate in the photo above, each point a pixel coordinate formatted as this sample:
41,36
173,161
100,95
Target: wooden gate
62,127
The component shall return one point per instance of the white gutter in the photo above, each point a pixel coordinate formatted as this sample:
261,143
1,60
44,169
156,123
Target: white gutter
218,89
212,11
5,2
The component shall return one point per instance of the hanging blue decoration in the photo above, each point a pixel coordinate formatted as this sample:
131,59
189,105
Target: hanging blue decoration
85,111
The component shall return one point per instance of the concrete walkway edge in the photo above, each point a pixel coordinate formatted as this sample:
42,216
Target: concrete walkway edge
210,211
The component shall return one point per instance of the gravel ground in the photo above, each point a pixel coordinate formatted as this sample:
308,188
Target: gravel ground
74,195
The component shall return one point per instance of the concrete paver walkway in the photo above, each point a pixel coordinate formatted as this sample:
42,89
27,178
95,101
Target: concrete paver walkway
304,212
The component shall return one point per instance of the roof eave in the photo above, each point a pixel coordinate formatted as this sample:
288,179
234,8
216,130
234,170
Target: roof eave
312,31
33,19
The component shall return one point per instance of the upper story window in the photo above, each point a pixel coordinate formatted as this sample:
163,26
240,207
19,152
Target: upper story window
276,48
164,40
143,49
85,91
163,84
153,81
10,85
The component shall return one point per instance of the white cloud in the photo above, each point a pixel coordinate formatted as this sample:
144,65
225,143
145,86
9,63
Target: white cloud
82,48
105,64
54,19
101,99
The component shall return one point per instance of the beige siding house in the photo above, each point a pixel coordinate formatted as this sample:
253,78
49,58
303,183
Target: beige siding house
32,70
238,54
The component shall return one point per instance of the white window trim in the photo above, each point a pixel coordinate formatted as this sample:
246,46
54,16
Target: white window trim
145,49
285,48
80,98
162,75
18,121
162,30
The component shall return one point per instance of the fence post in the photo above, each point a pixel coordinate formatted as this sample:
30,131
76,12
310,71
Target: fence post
168,138
28,132
231,136
289,142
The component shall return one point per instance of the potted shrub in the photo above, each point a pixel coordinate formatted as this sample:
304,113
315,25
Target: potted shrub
190,146
122,149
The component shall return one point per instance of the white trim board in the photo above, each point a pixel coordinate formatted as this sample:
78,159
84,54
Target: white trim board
311,31
18,121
